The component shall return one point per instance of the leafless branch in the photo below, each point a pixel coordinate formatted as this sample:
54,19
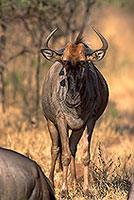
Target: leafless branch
23,51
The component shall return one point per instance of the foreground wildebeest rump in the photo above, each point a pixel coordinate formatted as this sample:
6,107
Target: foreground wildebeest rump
74,96
22,178
131,192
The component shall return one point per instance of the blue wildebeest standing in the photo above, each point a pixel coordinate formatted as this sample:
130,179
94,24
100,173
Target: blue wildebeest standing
22,178
74,96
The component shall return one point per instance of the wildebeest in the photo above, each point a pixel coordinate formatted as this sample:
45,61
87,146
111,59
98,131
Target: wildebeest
22,178
74,96
131,192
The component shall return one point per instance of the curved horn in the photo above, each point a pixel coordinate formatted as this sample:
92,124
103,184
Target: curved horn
104,44
49,37
104,41
47,50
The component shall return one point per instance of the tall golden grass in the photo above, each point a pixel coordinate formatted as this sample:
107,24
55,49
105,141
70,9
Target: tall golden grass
112,149
111,144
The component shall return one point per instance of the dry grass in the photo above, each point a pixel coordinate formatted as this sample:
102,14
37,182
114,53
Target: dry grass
110,158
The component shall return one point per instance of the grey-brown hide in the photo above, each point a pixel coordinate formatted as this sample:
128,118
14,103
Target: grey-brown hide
74,96
22,178
131,192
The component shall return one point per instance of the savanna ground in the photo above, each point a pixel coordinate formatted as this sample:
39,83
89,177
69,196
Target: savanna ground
112,144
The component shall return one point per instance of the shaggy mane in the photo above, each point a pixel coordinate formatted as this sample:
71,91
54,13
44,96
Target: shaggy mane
79,38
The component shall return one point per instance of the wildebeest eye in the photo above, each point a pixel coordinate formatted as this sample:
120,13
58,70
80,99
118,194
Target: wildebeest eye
64,62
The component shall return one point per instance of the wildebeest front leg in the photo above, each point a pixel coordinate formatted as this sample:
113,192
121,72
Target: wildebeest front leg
86,154
55,149
66,154
74,139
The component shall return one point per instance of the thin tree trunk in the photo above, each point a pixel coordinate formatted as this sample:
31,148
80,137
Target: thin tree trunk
3,25
38,74
38,86
2,91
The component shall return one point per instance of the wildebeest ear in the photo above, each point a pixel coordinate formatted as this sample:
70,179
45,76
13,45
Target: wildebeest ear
50,54
96,56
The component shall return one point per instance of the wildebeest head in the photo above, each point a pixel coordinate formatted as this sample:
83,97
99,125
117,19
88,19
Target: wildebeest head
78,51
75,58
